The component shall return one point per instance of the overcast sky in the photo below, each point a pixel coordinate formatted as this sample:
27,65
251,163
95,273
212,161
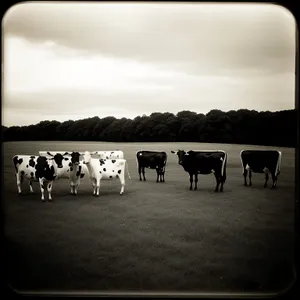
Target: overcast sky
72,61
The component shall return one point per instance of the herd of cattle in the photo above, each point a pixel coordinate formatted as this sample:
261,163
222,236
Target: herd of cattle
49,166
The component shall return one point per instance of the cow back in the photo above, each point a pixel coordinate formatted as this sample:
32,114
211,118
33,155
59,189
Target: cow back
257,160
151,159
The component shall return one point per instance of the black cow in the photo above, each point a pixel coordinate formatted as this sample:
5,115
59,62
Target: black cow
204,162
152,160
261,161
37,168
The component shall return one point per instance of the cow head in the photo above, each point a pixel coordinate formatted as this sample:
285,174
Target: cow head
180,154
75,158
86,157
58,158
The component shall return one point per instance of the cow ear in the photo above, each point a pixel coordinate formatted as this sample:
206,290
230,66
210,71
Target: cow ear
49,153
66,153
173,151
94,152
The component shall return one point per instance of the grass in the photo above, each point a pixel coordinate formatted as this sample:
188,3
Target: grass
156,236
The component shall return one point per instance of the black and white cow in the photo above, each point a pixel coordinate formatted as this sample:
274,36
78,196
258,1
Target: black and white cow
261,161
204,162
73,169
152,160
36,169
104,169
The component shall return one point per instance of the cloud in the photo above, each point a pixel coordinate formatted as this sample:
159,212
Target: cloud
75,61
201,35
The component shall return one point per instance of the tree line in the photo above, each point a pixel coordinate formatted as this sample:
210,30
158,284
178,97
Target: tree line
238,127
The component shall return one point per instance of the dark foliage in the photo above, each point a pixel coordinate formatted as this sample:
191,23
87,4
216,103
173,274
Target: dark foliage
240,127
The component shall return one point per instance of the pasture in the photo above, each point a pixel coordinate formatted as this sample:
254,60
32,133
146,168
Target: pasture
156,237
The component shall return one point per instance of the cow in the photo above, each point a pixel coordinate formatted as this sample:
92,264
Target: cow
72,168
261,161
104,169
204,162
36,169
152,160
110,154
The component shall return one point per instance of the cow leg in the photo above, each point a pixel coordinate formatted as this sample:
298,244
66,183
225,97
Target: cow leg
157,174
245,176
49,189
266,179
140,171
76,188
163,176
18,176
218,181
250,176
196,180
72,188
42,189
94,186
191,181
97,186
30,186
274,179
222,183
143,170
122,180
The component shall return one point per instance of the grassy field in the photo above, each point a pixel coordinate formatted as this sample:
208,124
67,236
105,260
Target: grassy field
156,236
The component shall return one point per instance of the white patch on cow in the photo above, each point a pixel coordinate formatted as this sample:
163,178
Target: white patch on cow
140,154
221,158
212,171
113,154
247,167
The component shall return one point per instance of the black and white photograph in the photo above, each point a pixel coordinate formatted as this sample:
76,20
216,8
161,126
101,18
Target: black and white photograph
149,148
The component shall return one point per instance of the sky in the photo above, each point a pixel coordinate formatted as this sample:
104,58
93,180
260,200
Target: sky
70,61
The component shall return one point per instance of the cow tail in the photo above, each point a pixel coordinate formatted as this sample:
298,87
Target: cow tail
243,165
126,163
278,163
223,173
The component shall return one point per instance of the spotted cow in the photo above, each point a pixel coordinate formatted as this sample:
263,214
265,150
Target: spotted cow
73,169
104,169
36,169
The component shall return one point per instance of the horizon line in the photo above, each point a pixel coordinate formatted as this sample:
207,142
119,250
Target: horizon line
148,115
